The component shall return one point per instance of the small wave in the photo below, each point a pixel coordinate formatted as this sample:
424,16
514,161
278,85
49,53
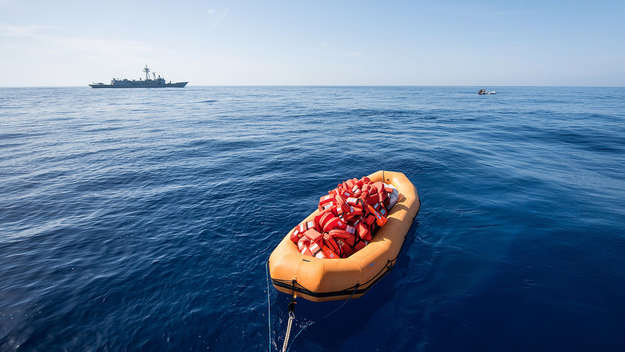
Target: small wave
104,129
13,135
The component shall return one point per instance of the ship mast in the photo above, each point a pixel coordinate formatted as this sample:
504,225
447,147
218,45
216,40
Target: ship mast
147,72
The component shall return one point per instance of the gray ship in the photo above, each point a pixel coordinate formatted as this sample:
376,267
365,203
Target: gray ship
155,82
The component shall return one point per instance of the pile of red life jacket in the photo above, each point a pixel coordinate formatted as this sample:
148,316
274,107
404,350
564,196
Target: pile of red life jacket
348,218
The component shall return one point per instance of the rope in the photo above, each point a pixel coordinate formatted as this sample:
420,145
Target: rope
285,346
323,318
268,306
289,324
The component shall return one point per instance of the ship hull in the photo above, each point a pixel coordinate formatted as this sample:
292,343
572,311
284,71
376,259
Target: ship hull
166,85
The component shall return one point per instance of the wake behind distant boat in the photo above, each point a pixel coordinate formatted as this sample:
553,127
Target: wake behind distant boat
154,82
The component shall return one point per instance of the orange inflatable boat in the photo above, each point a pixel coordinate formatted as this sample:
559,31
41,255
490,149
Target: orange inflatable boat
325,279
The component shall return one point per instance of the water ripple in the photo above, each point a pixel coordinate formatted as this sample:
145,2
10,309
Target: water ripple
142,219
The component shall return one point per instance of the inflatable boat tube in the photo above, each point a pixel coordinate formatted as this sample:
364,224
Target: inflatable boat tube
321,280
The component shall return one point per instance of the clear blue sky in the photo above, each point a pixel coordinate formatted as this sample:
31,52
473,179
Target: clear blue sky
45,43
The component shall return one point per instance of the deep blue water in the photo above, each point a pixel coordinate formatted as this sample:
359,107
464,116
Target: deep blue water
142,219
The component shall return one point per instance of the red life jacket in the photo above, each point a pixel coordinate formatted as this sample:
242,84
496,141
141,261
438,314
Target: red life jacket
346,248
328,253
314,248
332,245
356,191
365,188
325,199
298,231
372,199
345,236
333,223
363,231
302,245
380,220
376,189
340,234
322,218
295,234
313,235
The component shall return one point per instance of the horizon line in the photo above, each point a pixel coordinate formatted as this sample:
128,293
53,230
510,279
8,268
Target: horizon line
349,85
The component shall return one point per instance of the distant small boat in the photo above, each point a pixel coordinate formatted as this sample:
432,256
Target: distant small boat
486,92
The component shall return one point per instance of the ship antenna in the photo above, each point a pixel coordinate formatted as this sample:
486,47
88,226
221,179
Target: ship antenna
147,72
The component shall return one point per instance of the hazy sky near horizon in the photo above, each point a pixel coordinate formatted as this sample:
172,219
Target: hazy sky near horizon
72,43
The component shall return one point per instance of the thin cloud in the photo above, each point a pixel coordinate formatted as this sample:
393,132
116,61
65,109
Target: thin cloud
45,37
220,16
30,30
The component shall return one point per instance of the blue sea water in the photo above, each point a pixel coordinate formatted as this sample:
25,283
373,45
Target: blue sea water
141,220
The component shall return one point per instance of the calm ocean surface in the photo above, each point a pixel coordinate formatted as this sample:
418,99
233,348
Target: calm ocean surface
142,219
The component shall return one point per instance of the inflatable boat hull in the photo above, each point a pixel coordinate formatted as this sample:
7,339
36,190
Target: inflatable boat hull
322,280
